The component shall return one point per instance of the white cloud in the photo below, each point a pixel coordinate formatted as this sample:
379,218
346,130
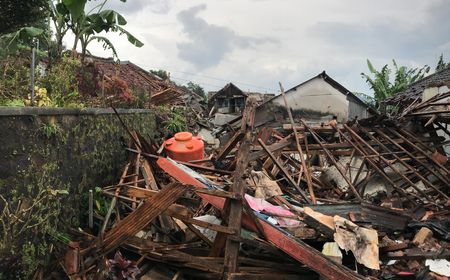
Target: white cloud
233,40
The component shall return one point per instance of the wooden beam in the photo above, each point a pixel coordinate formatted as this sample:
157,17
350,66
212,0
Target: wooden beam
299,148
333,160
142,216
219,193
285,173
229,146
200,223
238,187
296,248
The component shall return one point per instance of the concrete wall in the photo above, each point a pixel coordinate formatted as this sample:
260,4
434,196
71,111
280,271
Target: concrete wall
355,109
318,95
71,149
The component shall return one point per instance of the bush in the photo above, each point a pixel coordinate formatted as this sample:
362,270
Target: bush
27,223
61,82
14,80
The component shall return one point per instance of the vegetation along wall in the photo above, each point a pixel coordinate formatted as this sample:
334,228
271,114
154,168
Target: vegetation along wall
49,159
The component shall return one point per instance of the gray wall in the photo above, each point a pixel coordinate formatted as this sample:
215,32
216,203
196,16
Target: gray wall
355,109
71,149
319,96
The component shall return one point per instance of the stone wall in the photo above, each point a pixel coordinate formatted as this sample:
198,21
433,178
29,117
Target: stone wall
68,149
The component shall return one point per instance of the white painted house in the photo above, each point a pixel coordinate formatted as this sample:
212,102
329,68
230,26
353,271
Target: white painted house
324,96
316,100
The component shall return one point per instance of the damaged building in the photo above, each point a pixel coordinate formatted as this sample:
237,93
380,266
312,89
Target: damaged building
366,199
323,96
229,102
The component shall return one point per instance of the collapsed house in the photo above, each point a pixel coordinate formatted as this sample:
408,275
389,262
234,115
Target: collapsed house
425,103
113,78
289,200
104,82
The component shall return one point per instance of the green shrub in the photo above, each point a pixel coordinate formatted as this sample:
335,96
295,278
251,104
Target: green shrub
176,121
61,82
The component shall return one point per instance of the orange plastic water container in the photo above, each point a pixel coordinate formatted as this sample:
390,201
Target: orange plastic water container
185,147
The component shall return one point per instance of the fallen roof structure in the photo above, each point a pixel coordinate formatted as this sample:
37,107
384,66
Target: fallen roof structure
294,201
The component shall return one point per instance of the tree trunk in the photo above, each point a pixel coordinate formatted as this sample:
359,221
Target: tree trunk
74,47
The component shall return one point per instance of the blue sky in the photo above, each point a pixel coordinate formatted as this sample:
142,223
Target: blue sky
257,43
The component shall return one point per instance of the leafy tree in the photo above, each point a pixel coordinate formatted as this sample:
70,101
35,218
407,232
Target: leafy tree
441,64
381,84
20,40
87,25
163,74
196,88
17,14
61,27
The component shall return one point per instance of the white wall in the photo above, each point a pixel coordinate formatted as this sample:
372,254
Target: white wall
317,95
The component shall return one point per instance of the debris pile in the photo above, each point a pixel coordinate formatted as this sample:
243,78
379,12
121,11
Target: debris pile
351,201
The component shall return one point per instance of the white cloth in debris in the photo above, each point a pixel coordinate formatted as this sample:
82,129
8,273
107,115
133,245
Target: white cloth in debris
441,267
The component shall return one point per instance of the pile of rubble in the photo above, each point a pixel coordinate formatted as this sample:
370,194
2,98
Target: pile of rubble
361,200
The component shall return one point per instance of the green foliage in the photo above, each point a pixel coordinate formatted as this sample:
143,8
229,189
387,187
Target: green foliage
87,25
61,82
25,224
106,44
14,42
12,103
59,20
175,121
381,84
50,130
141,98
369,100
58,88
196,88
14,79
16,14
163,74
441,64
101,203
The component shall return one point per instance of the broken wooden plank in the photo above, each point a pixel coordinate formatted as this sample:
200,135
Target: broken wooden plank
219,193
299,148
238,187
201,223
114,200
281,239
142,216
229,146
285,173
333,160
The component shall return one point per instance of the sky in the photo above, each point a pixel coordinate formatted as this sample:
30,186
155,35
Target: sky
258,43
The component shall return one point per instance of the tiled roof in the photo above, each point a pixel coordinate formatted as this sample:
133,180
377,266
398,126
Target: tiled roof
163,92
415,90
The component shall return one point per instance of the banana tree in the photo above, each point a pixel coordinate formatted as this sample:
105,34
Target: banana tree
87,26
19,40
380,81
60,23
441,64
105,21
